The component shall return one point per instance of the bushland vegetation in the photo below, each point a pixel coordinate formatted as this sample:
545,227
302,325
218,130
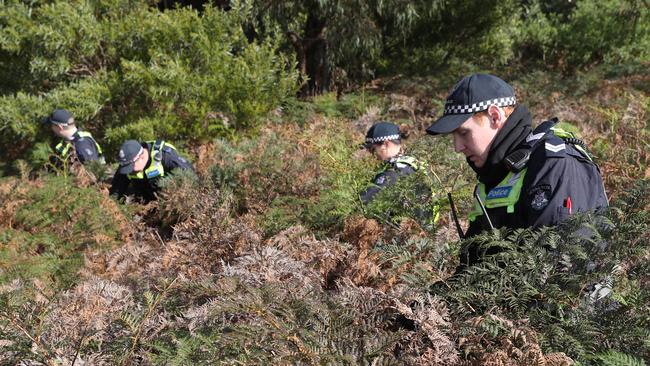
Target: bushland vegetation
127,70
269,257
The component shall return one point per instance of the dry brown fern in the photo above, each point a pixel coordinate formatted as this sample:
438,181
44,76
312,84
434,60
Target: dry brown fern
363,234
271,265
325,256
11,191
84,313
431,343
206,156
519,347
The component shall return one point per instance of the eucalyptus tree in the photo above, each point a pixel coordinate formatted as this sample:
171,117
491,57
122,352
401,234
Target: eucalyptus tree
333,40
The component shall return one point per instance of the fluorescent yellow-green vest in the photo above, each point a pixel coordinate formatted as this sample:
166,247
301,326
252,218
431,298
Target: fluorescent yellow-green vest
63,147
155,168
410,161
505,194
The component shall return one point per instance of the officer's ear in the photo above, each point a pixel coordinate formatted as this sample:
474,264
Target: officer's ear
497,116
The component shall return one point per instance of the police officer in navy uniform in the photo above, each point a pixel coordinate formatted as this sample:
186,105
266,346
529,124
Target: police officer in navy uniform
383,140
526,177
141,167
74,142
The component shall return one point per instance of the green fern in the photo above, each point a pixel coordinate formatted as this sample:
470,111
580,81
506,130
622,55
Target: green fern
615,358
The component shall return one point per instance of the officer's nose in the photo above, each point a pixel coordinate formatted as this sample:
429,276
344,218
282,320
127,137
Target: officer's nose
458,144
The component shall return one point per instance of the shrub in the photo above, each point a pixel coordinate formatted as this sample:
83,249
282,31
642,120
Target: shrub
571,36
127,70
410,197
589,32
315,174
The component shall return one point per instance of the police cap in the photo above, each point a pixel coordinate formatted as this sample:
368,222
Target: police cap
59,117
380,132
129,151
474,93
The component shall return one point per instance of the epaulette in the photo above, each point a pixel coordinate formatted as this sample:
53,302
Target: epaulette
553,139
554,147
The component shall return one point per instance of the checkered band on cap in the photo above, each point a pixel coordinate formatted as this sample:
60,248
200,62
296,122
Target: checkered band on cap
480,106
375,140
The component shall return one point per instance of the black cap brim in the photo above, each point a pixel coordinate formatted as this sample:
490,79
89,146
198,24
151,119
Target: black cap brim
447,124
126,169
50,121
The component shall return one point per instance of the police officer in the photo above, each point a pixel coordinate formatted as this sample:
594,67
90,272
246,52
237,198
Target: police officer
526,177
82,143
141,167
383,140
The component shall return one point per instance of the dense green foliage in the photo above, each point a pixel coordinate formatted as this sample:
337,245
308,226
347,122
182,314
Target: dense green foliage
128,70
570,35
341,41
268,256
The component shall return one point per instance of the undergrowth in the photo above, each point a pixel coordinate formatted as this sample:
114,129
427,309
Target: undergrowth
48,224
270,258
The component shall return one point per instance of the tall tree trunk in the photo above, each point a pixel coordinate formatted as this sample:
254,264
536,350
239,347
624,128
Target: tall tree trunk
316,49
301,57
311,54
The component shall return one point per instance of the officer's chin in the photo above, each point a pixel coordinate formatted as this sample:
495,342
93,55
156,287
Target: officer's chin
474,167
473,164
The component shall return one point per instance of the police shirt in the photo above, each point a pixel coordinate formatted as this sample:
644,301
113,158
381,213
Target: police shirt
85,147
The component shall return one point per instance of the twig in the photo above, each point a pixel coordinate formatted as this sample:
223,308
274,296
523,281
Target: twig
386,221
159,237
85,330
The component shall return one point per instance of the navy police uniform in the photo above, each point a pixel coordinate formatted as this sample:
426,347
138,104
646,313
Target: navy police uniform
391,171
531,178
84,146
395,168
81,144
555,178
392,168
549,178
163,159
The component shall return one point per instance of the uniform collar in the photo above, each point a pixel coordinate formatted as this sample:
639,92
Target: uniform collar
149,148
394,159
76,136
513,133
